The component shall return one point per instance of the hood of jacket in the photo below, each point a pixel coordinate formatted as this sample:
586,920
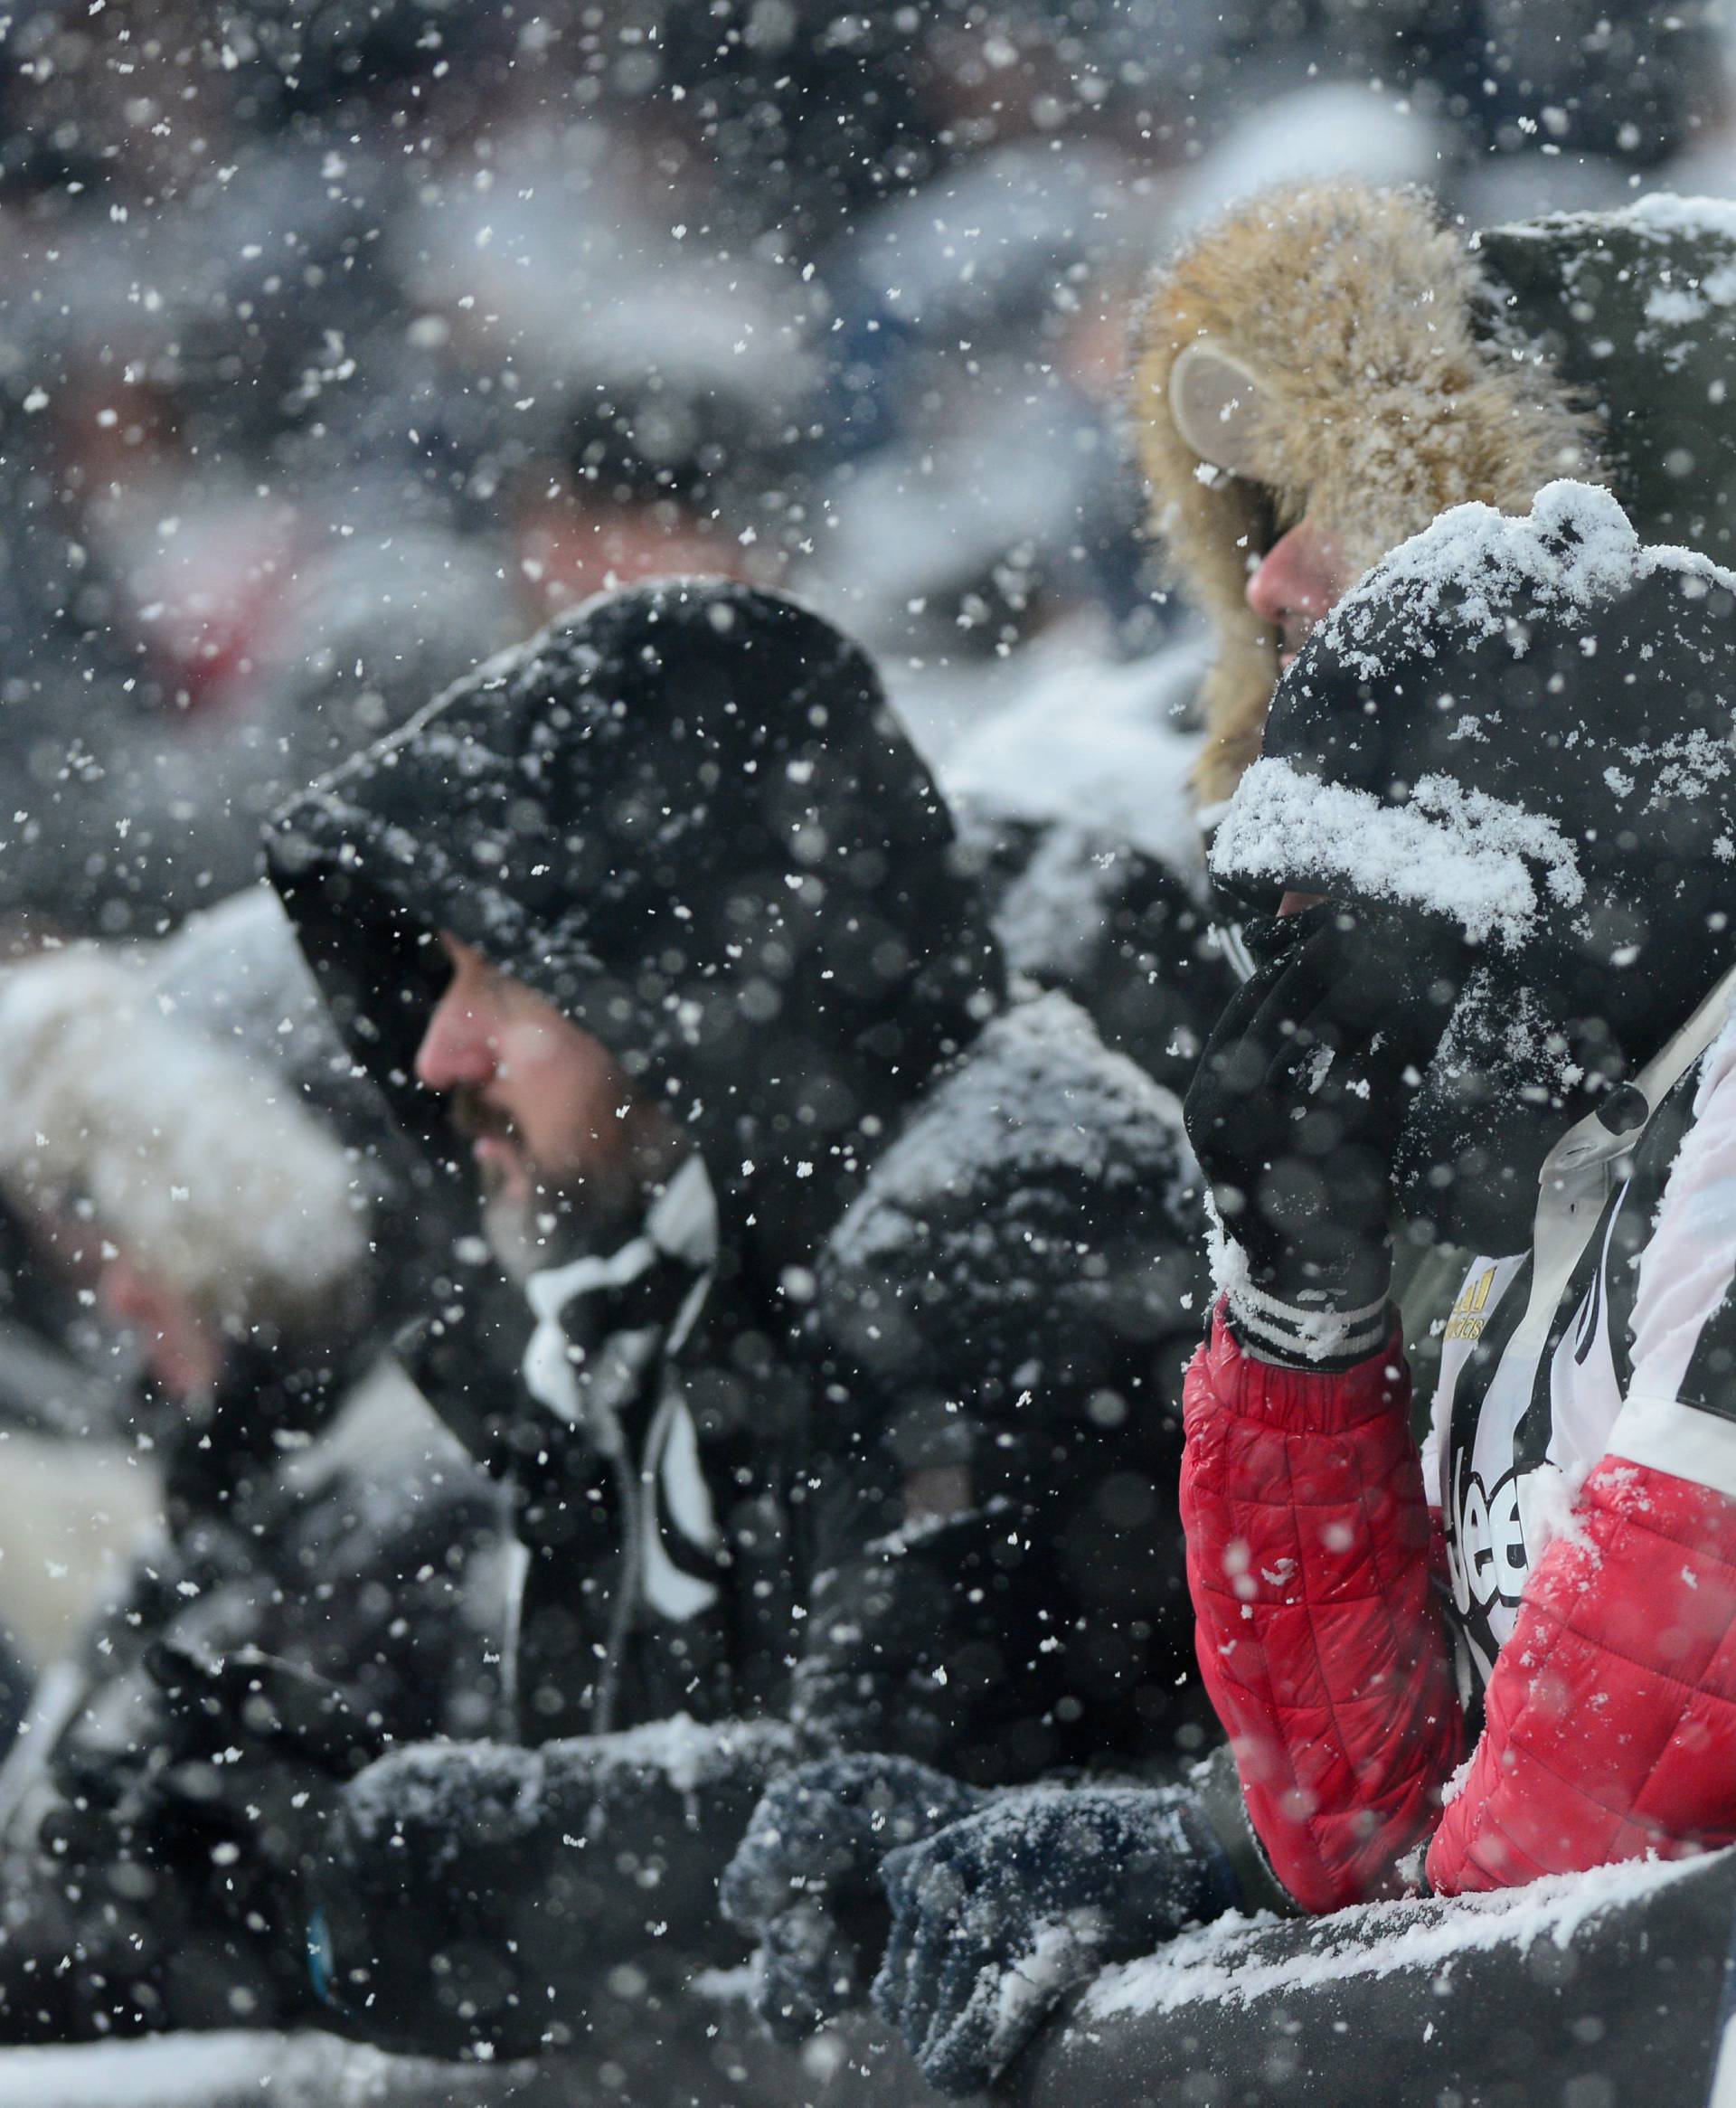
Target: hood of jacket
1516,730
1403,369
686,815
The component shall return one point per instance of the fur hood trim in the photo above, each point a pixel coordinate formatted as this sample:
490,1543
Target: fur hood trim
1385,397
202,1167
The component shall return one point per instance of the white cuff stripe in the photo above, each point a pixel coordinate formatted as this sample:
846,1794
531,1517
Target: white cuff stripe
1682,1440
1315,1333
1302,1315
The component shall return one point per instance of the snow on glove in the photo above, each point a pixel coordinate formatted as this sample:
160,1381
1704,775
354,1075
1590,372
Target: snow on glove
995,1918
805,1876
476,1895
1294,1113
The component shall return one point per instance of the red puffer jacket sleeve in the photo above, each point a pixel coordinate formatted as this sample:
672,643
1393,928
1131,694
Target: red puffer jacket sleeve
1611,1713
1320,1637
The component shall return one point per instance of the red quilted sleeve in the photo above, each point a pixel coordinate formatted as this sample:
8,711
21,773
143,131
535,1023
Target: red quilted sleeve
1320,1638
1611,1713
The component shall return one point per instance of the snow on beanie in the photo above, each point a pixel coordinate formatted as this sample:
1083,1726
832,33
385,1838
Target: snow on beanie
200,1165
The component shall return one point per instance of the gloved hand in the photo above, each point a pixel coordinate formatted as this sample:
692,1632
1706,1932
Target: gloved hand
226,1804
479,1894
428,1853
260,1747
1294,1113
995,1918
804,1878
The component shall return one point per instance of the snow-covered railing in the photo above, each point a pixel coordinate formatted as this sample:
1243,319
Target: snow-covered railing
1607,1988
251,2070
1602,1988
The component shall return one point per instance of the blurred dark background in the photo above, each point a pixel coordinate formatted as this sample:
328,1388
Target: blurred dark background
340,342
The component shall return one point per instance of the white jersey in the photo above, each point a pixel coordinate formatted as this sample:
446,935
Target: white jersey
1637,1357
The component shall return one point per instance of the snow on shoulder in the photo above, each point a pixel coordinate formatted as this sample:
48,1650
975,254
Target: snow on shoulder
1476,579
1039,1095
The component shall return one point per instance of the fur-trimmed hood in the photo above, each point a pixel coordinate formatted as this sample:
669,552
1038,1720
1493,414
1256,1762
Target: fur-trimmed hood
1389,392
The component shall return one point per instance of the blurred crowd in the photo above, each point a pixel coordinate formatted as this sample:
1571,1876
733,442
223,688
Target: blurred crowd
341,344
346,342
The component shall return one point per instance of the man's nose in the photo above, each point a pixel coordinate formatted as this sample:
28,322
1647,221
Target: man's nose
1283,584
458,1048
124,1297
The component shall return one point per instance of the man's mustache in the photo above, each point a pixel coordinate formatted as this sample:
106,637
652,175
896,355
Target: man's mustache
475,1119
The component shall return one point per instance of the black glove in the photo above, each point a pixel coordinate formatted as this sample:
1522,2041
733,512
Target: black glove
477,1895
258,1749
994,1919
805,1878
1294,1114
221,1813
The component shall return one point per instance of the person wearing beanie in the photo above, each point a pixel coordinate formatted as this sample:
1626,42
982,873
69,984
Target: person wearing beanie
1320,374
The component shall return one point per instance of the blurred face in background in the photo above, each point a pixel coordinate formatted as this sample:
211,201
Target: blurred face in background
183,1351
1302,577
573,546
554,1125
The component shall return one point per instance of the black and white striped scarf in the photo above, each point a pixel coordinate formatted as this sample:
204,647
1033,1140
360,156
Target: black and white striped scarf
609,1330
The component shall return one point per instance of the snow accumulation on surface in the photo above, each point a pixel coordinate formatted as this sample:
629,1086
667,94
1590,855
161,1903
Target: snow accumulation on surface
1040,1092
1455,851
1484,573
231,2069
1679,235
450,1787
1230,1962
692,1753
1097,745
164,2073
1662,214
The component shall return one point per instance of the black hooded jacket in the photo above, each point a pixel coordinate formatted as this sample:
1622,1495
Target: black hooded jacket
955,1240
924,1411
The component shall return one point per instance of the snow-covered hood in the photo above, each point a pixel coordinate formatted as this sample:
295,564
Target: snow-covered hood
1519,728
686,814
1402,370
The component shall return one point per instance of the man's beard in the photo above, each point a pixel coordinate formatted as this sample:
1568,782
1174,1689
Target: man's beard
532,1220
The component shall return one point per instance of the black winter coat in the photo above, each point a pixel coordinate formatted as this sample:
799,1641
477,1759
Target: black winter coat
958,1242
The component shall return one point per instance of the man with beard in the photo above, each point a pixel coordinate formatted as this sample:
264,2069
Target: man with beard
854,1298
558,1135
